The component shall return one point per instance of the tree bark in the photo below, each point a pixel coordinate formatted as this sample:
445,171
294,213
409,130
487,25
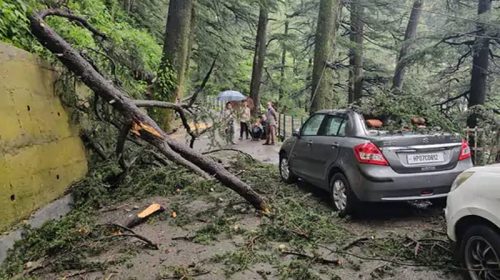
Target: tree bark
356,51
175,56
283,60
141,124
178,34
480,64
322,78
192,37
410,35
259,58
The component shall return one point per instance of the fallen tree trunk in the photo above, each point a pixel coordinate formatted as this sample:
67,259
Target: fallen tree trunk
141,124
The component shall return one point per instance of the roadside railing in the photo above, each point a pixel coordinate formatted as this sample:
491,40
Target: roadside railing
286,124
484,145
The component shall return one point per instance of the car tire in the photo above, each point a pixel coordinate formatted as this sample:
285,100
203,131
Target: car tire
343,198
286,174
479,246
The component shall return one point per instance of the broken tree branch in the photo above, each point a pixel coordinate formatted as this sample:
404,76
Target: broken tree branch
92,144
133,234
67,14
230,150
120,145
203,84
142,125
452,99
178,108
355,242
313,258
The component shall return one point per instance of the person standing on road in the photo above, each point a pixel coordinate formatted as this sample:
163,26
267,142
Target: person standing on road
228,119
244,120
271,124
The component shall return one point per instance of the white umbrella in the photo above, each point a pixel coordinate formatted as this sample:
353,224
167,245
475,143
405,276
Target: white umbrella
231,95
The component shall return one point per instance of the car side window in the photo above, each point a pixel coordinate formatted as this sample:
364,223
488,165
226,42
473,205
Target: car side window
311,127
333,127
342,128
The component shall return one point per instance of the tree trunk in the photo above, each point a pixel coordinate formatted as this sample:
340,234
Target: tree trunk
259,58
192,35
171,75
356,51
322,78
283,60
142,125
410,35
480,64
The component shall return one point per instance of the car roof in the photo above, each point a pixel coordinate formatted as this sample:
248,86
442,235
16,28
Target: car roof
333,111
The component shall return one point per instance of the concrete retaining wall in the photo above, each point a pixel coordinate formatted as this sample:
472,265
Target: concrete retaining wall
40,154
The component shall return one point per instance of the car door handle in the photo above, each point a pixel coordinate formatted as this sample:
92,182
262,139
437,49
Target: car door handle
335,145
310,142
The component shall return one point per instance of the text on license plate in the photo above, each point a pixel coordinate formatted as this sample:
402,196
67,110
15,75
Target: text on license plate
425,158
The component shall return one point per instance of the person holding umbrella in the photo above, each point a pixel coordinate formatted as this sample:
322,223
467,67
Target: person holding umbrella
228,118
228,114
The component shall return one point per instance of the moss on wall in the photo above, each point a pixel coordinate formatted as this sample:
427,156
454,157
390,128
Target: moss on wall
40,154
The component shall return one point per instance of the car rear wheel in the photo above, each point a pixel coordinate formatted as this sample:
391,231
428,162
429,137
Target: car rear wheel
286,174
344,200
480,253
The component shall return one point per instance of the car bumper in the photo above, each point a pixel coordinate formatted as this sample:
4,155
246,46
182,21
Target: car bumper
381,183
450,225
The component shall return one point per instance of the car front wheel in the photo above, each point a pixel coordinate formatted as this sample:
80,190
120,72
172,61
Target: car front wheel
480,253
286,174
344,200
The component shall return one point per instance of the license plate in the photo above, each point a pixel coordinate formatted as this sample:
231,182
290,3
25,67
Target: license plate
425,158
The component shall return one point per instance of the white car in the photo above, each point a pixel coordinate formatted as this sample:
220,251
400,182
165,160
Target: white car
473,221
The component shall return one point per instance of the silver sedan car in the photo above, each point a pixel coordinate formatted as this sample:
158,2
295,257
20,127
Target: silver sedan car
336,151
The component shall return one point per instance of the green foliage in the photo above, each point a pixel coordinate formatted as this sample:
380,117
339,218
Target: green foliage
68,241
165,83
299,222
209,233
132,49
14,23
397,111
487,135
61,242
298,270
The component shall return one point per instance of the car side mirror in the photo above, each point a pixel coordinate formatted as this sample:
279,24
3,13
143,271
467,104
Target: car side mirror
296,133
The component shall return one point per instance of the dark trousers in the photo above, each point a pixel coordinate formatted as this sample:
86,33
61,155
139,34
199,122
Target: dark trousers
243,128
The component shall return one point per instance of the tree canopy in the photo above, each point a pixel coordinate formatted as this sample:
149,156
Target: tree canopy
447,44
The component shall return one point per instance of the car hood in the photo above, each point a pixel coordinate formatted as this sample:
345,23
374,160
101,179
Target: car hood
492,168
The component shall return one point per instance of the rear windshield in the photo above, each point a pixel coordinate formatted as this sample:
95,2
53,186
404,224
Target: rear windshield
379,126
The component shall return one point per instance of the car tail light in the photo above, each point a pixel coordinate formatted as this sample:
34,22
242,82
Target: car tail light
369,153
464,151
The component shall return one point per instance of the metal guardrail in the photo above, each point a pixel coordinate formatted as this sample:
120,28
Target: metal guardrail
288,124
485,146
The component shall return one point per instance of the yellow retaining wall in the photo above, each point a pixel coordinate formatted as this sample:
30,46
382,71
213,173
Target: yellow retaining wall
40,154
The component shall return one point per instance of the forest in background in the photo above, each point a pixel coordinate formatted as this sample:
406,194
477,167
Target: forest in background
394,58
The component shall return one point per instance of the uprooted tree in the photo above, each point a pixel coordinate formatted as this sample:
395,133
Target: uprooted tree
136,121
